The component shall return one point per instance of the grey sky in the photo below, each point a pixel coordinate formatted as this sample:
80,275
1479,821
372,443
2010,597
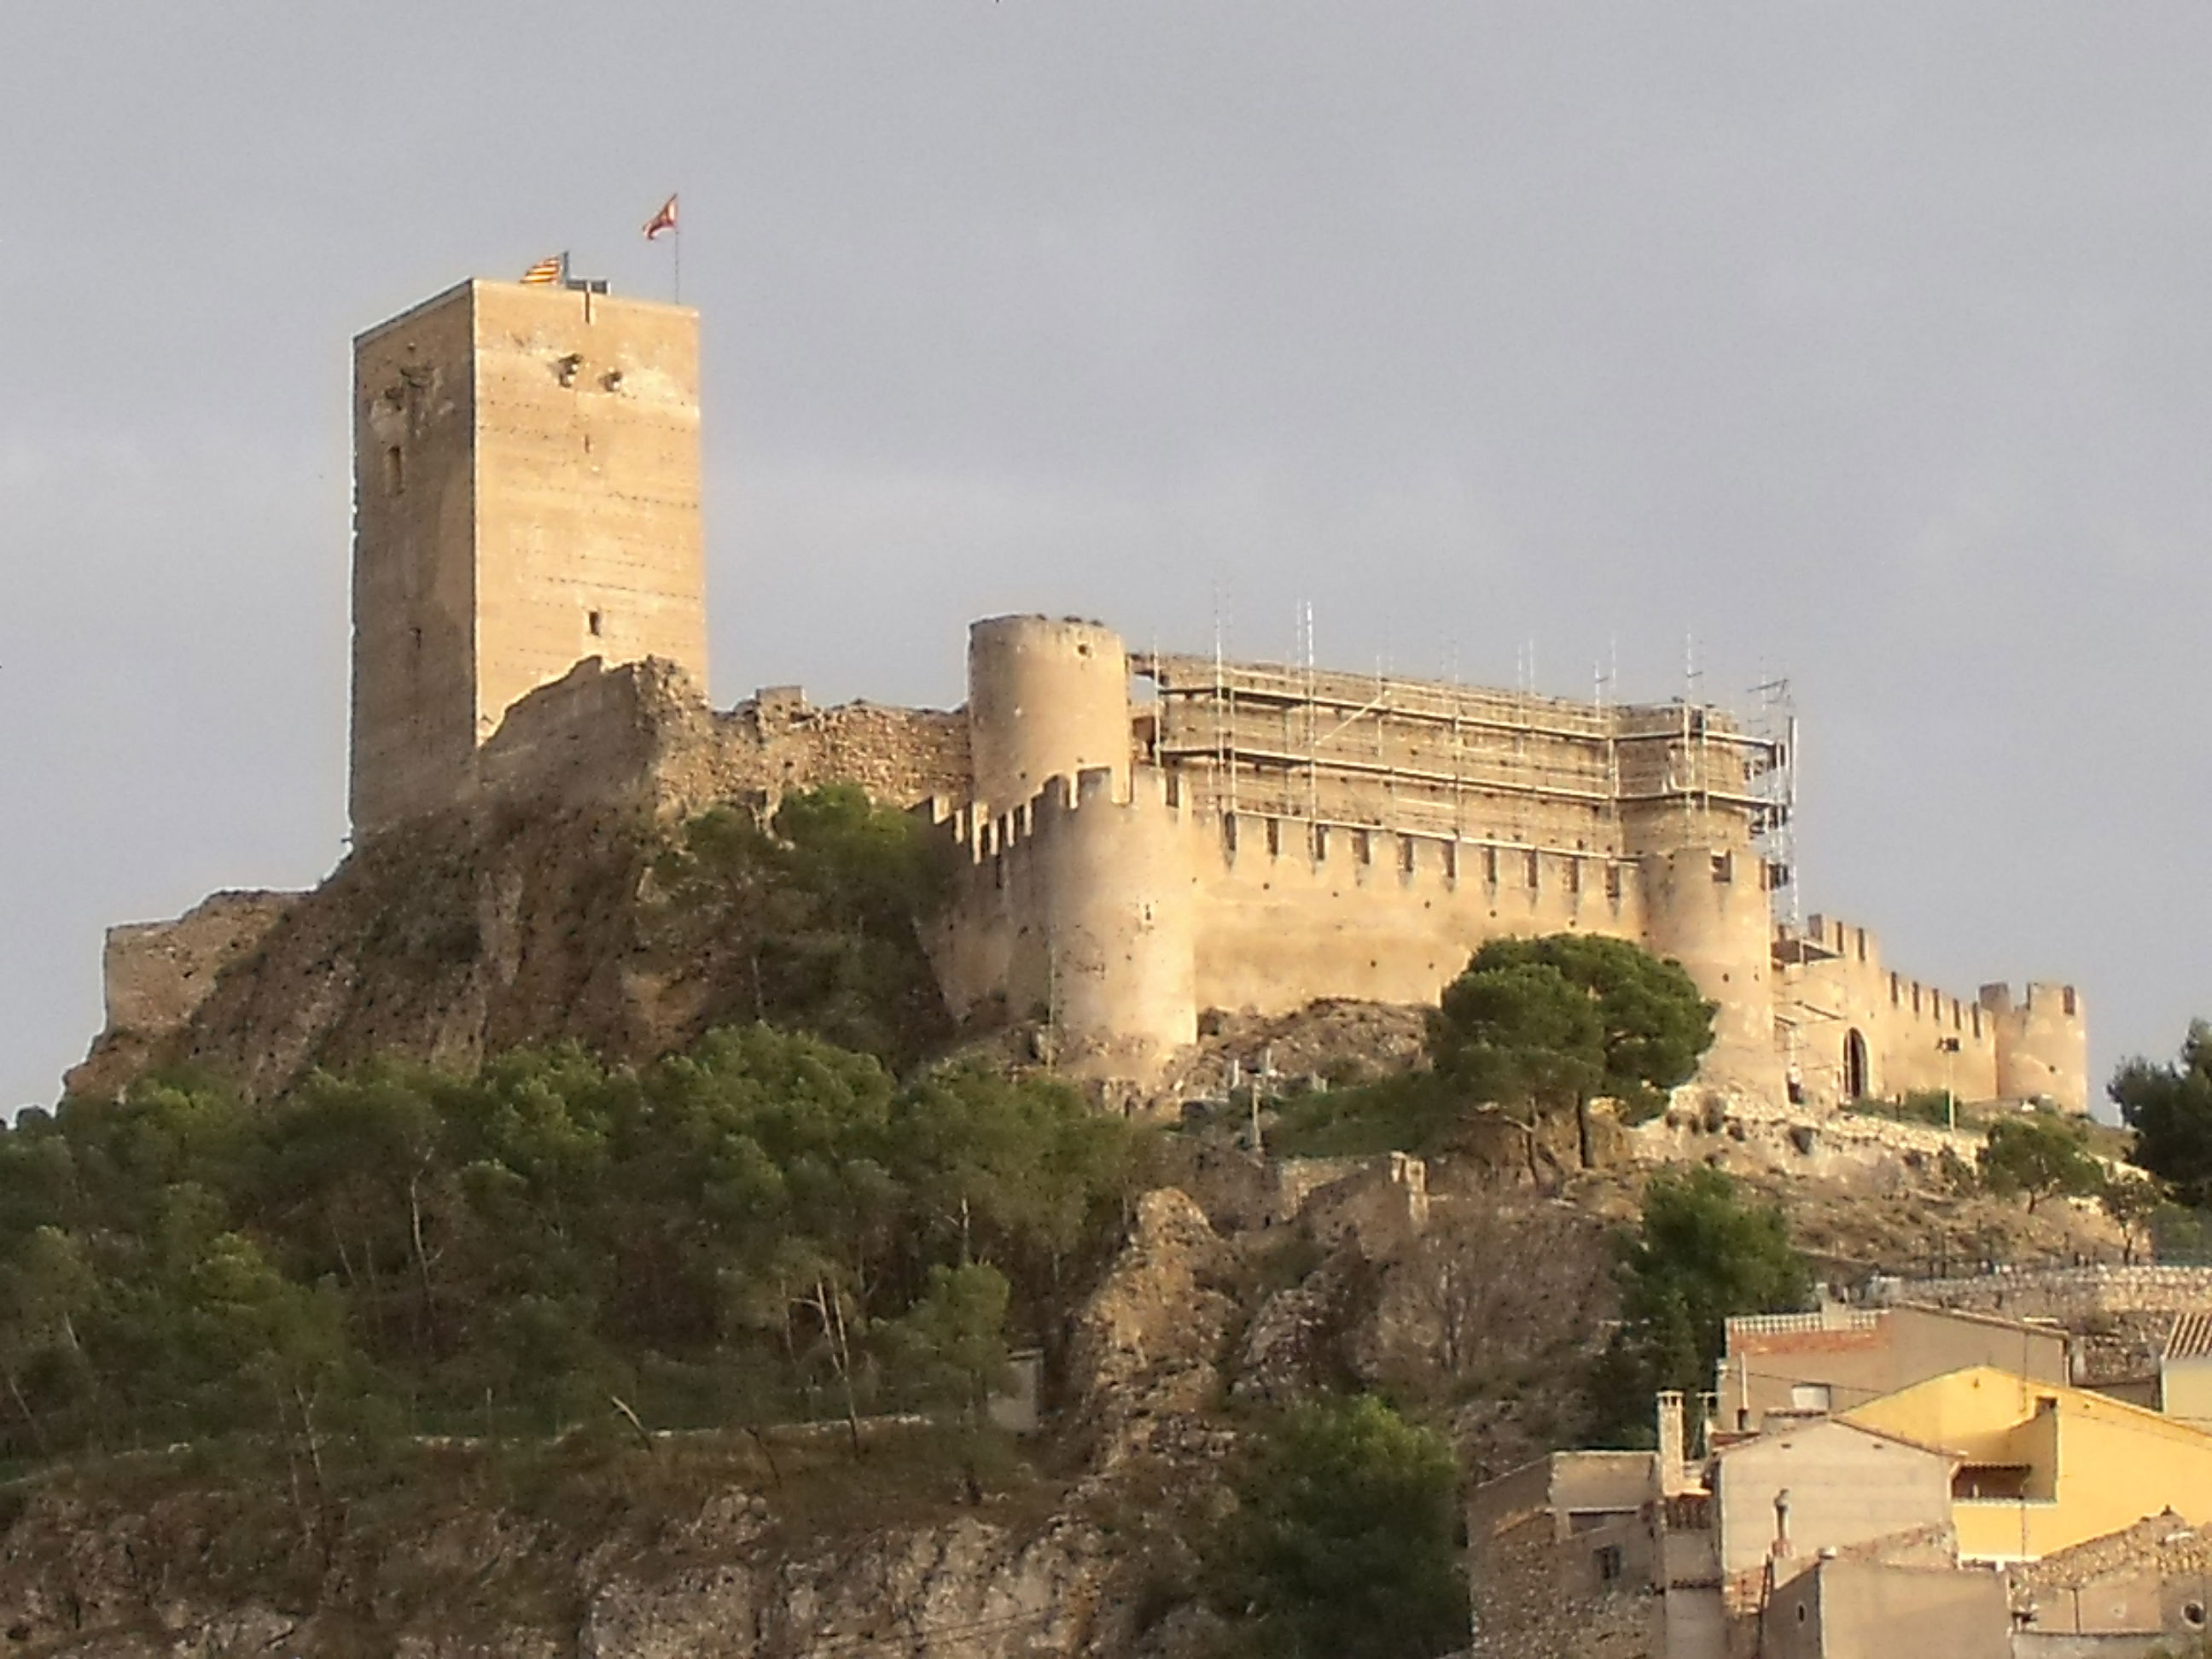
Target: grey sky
1867,343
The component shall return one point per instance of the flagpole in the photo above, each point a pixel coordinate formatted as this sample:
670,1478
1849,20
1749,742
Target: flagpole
675,247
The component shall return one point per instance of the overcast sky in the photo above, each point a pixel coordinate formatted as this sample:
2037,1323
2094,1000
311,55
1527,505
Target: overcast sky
1868,344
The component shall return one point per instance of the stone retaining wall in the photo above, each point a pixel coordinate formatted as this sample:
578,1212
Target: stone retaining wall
2065,1294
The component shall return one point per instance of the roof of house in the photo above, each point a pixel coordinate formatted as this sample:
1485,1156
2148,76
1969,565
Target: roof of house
2064,1396
2191,1337
1771,1436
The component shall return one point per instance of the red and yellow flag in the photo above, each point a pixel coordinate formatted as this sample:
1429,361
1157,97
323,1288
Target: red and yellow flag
546,271
664,220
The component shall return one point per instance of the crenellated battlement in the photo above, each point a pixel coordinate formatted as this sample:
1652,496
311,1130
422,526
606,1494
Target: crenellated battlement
1834,946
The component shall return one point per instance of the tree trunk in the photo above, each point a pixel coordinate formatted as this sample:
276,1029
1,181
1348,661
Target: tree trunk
30,1417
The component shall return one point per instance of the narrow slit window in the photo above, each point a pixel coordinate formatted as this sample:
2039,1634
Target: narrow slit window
596,622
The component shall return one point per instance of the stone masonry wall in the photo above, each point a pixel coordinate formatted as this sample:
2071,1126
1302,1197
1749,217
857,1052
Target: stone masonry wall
643,733
156,973
2065,1294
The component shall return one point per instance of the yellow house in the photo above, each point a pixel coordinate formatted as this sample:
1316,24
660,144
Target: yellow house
2043,1467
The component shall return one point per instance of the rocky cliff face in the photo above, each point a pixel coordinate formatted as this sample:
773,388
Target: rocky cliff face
687,1549
445,940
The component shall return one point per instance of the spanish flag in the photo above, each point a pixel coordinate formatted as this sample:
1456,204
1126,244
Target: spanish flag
547,271
664,220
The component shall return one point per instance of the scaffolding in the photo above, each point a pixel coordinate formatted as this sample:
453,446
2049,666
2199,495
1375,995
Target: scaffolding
1432,757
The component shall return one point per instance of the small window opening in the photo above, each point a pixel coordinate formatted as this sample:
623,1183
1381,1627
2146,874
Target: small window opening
597,622
1723,866
395,471
1610,1565
2069,1002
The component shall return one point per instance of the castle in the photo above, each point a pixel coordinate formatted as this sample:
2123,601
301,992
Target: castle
1138,839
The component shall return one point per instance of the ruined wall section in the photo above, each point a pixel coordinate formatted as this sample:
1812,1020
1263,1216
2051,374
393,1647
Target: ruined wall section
640,733
155,974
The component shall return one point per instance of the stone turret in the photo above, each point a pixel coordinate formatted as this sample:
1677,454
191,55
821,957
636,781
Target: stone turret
2043,1044
1046,699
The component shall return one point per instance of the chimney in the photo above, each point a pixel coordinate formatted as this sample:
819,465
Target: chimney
1672,1476
1782,1525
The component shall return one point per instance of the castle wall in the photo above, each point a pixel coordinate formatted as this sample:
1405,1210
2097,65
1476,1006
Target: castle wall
1843,993
1046,699
1289,912
2043,1044
1078,908
1122,917
526,495
155,974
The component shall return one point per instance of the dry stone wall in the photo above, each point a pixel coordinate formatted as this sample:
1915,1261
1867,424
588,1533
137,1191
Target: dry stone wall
2069,1295
641,734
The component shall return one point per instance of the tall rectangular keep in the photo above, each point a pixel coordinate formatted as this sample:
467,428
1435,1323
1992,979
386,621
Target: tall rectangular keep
526,495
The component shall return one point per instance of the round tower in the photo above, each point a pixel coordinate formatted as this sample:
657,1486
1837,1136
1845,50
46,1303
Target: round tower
2042,1044
1709,911
1046,699
1120,935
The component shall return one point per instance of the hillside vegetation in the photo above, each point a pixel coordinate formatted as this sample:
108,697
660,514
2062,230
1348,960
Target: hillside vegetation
765,1227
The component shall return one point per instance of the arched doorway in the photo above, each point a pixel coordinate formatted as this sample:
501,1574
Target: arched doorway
1854,1066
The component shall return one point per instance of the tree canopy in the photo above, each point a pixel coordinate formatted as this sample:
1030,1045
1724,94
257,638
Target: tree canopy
2169,1108
1701,1257
766,1226
1547,1025
1344,1540
809,922
2040,1155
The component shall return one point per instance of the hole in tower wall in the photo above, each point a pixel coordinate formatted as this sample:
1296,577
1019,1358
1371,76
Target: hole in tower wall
596,622
395,471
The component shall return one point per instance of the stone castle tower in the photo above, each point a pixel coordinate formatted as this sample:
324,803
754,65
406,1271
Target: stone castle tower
526,495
